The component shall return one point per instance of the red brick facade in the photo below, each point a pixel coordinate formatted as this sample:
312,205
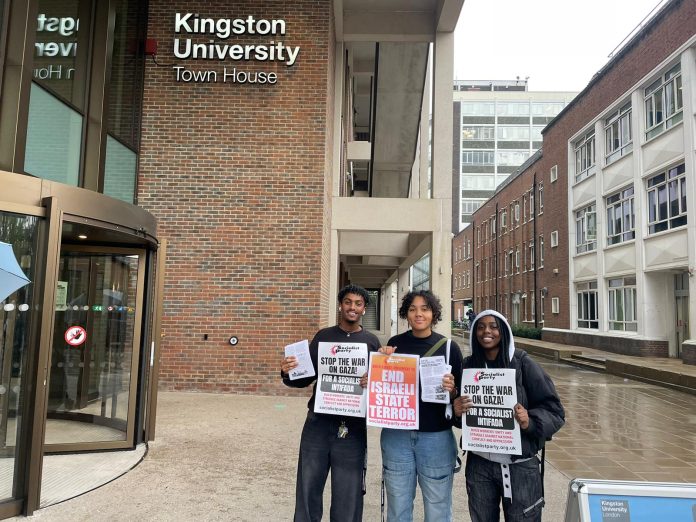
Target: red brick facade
238,176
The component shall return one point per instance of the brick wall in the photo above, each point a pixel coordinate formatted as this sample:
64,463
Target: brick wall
238,175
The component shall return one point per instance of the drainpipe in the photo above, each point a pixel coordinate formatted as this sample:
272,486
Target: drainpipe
496,256
534,231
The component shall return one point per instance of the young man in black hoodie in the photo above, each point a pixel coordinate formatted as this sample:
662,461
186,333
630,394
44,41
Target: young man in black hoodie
516,479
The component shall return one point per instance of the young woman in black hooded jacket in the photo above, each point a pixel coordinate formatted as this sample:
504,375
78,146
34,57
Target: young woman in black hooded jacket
516,479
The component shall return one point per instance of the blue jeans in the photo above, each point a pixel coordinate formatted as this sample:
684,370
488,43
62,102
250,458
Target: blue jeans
322,450
429,458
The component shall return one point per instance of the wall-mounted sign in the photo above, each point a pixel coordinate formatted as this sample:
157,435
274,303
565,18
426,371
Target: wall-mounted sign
188,25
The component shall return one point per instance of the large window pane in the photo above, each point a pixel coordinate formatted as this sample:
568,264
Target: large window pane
16,320
62,47
54,137
119,171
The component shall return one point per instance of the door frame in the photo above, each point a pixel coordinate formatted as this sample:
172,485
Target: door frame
135,359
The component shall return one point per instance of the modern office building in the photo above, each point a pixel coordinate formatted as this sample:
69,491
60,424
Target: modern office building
187,185
607,253
497,126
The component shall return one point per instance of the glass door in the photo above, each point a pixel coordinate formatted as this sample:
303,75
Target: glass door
96,349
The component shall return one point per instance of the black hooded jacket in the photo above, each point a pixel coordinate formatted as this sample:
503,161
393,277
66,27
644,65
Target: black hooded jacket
535,391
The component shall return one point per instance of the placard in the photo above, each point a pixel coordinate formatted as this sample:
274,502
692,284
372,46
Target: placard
392,398
490,425
340,366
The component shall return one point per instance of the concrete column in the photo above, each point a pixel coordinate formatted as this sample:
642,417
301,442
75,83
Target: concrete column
441,171
403,287
688,67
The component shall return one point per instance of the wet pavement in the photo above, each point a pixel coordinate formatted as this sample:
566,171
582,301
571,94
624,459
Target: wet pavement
233,457
620,429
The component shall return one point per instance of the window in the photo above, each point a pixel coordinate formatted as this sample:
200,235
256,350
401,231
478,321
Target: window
541,251
513,133
512,158
621,221
554,239
468,248
507,265
531,255
524,208
555,305
469,206
503,219
622,304
531,203
554,173
478,236
586,229
587,305
663,103
478,109
517,212
585,156
524,256
617,134
541,198
512,109
478,132
542,299
667,200
477,157
475,181
494,224
511,260
517,260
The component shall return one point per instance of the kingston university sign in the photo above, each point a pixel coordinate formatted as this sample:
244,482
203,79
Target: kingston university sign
189,25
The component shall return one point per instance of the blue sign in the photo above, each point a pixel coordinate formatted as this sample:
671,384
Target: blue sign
621,508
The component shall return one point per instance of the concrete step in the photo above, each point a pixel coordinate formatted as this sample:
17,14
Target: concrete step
584,364
594,359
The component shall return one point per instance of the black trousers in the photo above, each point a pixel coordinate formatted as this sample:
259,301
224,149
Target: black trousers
485,488
322,450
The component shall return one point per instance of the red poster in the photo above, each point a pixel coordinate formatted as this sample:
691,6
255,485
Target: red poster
392,398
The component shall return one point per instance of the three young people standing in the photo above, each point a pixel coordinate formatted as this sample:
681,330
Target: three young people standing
427,456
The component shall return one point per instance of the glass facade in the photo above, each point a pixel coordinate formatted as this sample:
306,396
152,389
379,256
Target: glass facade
70,88
17,313
84,324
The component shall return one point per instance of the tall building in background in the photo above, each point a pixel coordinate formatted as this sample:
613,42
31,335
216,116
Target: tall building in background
497,126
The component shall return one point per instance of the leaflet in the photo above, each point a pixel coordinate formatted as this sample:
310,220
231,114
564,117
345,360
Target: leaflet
304,368
432,369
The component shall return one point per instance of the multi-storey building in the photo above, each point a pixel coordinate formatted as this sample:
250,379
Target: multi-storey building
497,127
591,238
187,185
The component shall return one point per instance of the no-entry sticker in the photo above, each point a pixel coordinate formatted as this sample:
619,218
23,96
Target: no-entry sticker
75,335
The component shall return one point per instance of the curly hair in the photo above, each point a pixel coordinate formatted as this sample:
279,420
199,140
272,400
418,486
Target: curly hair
354,289
431,300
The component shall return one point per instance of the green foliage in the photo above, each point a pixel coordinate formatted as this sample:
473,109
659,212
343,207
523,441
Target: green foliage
529,332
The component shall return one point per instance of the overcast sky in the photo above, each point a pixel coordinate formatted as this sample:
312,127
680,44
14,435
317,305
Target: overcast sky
558,44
